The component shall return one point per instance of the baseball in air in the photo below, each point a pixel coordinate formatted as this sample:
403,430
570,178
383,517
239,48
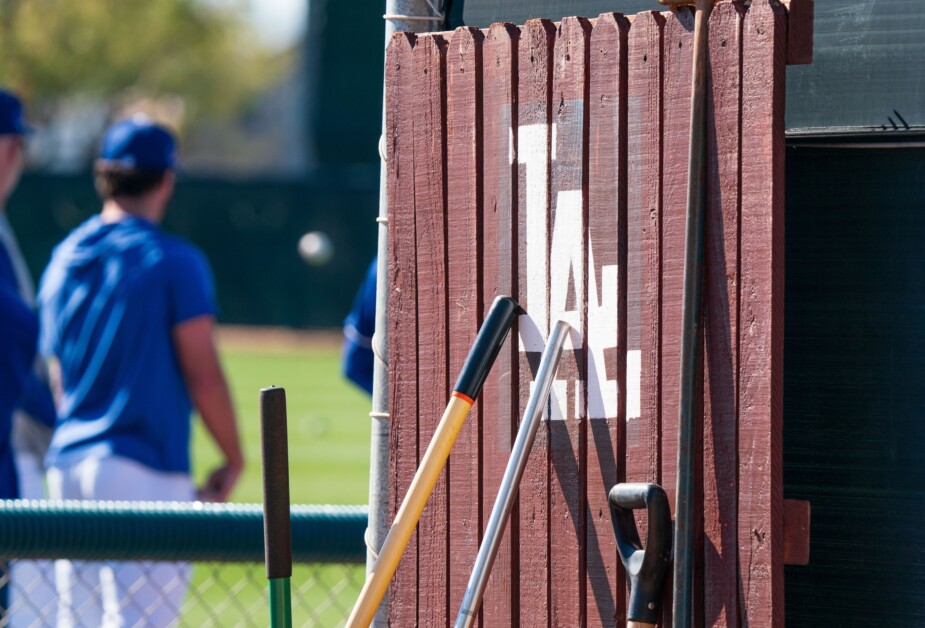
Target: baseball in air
316,248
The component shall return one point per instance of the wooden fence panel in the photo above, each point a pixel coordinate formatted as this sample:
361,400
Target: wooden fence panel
606,281
761,329
530,150
429,106
568,301
551,164
464,194
499,397
721,309
644,138
678,60
403,359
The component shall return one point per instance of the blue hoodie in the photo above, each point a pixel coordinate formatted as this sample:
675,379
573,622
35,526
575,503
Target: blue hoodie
108,303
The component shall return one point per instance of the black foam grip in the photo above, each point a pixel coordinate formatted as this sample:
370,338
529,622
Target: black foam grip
482,355
274,447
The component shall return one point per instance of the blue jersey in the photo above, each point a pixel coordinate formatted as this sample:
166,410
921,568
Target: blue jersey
108,303
7,273
36,398
18,335
357,358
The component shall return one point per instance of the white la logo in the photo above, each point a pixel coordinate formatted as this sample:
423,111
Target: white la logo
567,270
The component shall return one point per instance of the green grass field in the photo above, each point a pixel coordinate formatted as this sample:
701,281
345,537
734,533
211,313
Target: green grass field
329,430
329,422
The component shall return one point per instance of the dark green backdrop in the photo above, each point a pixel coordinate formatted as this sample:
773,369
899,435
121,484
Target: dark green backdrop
248,230
854,383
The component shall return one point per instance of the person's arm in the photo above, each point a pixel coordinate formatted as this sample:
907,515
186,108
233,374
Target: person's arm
209,392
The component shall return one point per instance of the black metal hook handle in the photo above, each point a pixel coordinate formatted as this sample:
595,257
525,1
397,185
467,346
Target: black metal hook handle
645,566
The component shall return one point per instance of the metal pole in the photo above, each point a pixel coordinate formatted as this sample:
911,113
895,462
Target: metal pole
510,483
379,438
691,375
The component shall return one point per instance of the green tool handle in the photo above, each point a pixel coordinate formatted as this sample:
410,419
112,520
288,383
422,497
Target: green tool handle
280,603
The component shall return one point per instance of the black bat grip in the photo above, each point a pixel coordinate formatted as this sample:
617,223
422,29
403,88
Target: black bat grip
274,445
645,566
487,344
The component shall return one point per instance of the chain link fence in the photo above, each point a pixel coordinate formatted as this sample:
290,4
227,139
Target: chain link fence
215,575
218,594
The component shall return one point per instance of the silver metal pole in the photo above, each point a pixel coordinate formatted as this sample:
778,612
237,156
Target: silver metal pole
419,11
510,483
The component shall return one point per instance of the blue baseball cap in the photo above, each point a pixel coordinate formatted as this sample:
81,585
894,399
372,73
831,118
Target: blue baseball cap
139,143
11,120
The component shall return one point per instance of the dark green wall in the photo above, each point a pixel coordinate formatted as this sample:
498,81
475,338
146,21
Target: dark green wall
854,383
248,230
345,53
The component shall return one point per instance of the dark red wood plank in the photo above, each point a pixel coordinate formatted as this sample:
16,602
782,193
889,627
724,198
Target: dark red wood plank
429,108
678,61
464,194
531,152
720,463
606,272
567,300
402,327
678,64
761,316
799,31
499,396
644,202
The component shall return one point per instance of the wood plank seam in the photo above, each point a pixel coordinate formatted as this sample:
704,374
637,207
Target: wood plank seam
403,391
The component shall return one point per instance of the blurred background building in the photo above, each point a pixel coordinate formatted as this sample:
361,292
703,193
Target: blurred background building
278,113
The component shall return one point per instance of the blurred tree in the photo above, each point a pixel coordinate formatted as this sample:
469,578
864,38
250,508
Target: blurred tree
199,54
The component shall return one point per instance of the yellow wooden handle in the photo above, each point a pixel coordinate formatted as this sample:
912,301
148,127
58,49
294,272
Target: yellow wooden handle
377,582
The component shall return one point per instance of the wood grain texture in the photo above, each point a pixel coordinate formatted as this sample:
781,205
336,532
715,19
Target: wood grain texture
568,301
499,396
721,298
402,325
644,205
531,153
760,530
464,194
678,63
429,109
606,280
644,148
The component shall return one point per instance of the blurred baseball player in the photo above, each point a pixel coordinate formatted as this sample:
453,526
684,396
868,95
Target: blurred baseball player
25,401
127,314
35,414
357,352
